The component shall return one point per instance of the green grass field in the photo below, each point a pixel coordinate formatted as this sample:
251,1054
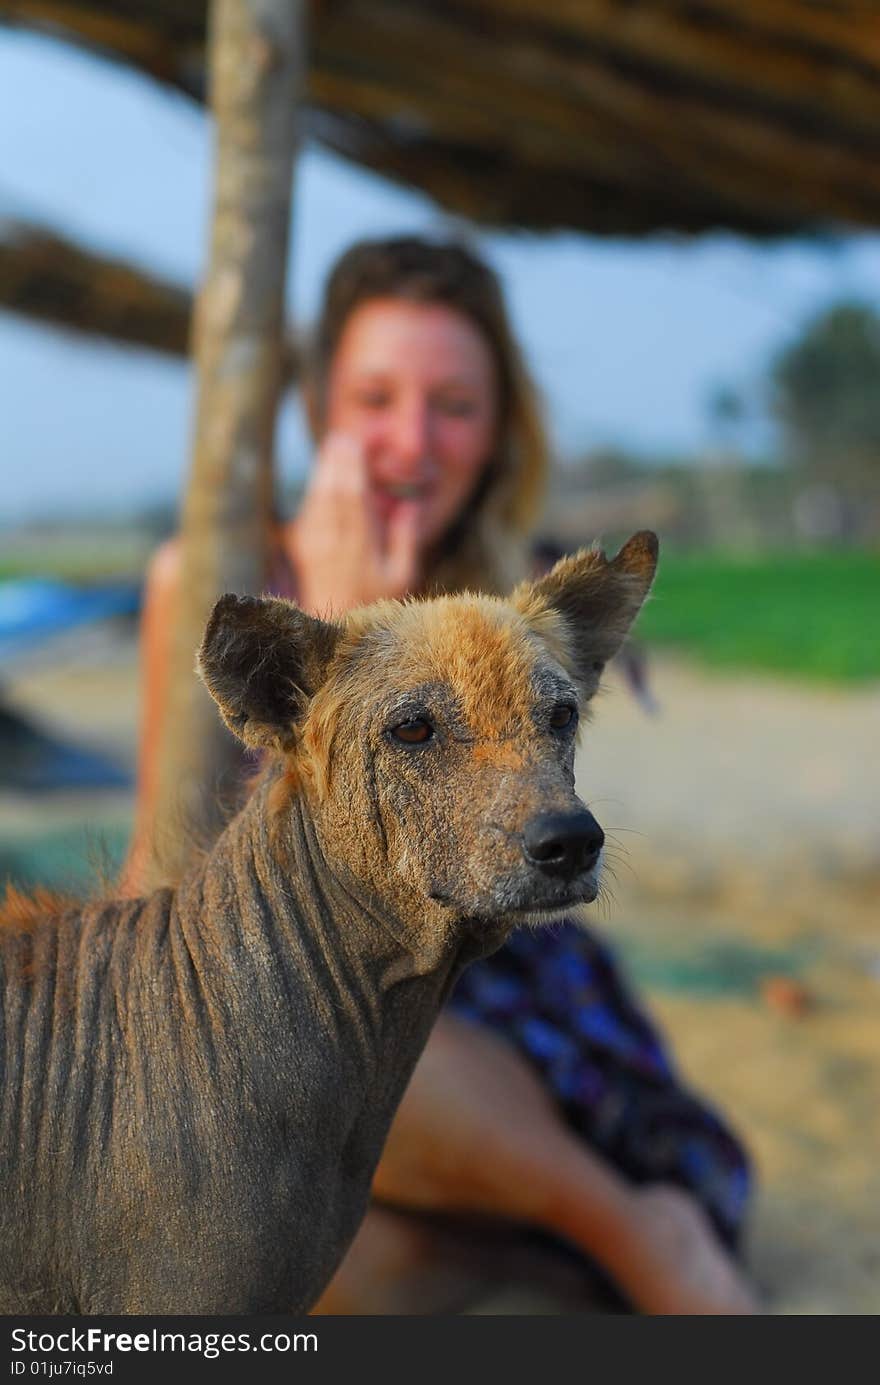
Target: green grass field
83,555
813,616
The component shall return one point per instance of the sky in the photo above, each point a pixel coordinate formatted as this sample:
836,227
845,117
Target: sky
627,339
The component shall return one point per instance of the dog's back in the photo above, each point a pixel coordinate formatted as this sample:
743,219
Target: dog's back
169,1115
54,1093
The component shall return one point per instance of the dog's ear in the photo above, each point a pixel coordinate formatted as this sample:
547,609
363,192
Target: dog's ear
262,659
598,600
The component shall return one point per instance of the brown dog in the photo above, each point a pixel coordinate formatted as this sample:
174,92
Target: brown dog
196,1086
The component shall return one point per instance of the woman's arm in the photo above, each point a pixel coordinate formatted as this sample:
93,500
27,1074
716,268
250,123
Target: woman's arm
161,587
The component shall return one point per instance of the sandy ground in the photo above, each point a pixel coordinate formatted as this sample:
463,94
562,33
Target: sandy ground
748,903
746,855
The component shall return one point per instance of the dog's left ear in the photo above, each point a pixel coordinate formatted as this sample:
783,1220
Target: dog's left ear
597,598
262,659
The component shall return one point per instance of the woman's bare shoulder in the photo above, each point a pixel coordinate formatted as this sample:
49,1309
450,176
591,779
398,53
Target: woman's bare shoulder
163,567
163,572
161,584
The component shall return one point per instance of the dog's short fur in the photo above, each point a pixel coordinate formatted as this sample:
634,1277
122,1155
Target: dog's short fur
195,1087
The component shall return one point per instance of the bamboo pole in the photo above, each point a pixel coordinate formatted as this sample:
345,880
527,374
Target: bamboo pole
256,68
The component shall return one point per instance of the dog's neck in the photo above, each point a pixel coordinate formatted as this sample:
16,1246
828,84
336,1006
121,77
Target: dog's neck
269,914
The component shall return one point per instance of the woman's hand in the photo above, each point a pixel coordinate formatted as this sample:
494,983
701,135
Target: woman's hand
674,1264
344,554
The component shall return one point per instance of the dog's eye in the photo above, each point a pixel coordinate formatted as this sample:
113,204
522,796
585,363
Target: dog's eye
414,732
562,715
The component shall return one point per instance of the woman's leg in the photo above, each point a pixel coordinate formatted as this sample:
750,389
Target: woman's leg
478,1133
560,999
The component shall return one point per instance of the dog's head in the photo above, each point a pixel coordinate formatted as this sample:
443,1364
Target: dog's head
434,740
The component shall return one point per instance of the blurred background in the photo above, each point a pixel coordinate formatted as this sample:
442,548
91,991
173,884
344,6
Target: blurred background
700,306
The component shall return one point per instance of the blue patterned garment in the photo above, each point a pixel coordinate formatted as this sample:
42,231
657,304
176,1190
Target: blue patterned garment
557,995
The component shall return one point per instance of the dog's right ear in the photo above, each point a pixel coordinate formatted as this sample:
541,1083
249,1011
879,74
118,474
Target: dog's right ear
598,599
262,659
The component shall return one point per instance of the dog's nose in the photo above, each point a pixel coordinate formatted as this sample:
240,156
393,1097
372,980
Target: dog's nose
563,843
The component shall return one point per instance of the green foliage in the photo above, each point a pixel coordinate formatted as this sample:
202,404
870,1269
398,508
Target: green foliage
826,388
78,554
810,615
719,967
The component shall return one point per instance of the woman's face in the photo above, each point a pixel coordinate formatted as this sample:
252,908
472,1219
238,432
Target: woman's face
415,384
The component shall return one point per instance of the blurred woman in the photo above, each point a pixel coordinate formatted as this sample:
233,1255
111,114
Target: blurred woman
544,1098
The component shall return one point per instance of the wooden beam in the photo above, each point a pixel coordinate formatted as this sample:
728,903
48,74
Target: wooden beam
256,62
49,278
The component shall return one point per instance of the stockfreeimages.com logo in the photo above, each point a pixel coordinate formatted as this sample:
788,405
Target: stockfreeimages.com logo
94,1340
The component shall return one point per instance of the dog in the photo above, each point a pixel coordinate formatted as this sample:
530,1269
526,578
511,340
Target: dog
195,1086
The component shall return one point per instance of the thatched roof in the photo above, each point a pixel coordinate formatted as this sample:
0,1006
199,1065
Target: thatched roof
46,276
608,116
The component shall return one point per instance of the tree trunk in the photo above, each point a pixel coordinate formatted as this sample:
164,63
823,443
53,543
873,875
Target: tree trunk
256,58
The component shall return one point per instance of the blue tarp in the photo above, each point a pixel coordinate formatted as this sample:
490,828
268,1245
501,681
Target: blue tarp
34,608
33,760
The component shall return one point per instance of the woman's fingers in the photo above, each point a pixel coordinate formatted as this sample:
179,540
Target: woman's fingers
402,556
677,1265
337,546
340,467
345,554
